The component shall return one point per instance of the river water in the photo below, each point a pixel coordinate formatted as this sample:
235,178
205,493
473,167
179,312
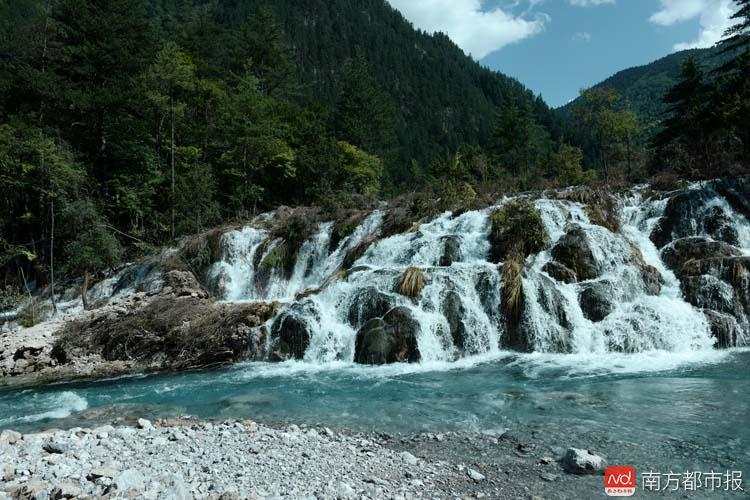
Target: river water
643,386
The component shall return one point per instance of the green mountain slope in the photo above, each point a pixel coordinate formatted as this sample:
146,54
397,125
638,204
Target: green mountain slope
443,97
644,87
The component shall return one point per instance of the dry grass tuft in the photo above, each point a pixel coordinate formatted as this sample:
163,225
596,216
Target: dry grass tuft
511,292
412,283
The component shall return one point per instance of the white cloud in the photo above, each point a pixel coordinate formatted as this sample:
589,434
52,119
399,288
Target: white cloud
476,31
582,36
590,3
713,16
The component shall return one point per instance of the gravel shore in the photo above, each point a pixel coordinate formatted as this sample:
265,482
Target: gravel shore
242,459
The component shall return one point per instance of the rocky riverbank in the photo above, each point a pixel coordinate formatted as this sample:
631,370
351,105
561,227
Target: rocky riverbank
244,459
176,327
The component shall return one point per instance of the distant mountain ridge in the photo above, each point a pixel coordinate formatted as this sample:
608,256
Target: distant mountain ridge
644,87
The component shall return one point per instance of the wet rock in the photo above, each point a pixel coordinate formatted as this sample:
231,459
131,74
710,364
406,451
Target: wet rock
652,280
451,251
552,302
453,310
724,328
560,272
368,303
573,251
680,215
596,300
736,190
576,461
718,225
291,335
392,339
684,250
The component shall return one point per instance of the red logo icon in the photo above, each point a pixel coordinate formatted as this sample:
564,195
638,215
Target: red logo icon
619,481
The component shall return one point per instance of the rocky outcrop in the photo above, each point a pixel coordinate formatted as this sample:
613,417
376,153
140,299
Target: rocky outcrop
175,329
573,251
392,339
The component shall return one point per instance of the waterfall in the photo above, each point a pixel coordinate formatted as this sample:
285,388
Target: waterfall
634,303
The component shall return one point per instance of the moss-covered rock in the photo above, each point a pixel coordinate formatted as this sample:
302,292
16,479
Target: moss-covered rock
516,228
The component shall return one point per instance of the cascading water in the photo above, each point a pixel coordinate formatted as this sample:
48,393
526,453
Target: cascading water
634,303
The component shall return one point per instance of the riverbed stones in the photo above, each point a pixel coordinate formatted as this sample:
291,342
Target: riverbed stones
577,461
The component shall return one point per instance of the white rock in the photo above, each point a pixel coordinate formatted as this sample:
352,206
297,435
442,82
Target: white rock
475,475
10,437
343,490
144,424
577,461
130,479
409,458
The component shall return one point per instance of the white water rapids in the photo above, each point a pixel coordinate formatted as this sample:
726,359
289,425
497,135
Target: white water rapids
552,319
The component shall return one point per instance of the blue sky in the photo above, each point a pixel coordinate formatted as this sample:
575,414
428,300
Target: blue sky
557,47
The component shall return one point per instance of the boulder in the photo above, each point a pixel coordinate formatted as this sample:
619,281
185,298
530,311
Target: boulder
576,461
573,251
684,250
552,302
451,251
366,304
724,328
392,339
291,335
596,300
560,272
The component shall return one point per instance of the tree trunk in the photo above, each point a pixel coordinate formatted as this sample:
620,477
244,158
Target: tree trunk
84,290
171,114
52,255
